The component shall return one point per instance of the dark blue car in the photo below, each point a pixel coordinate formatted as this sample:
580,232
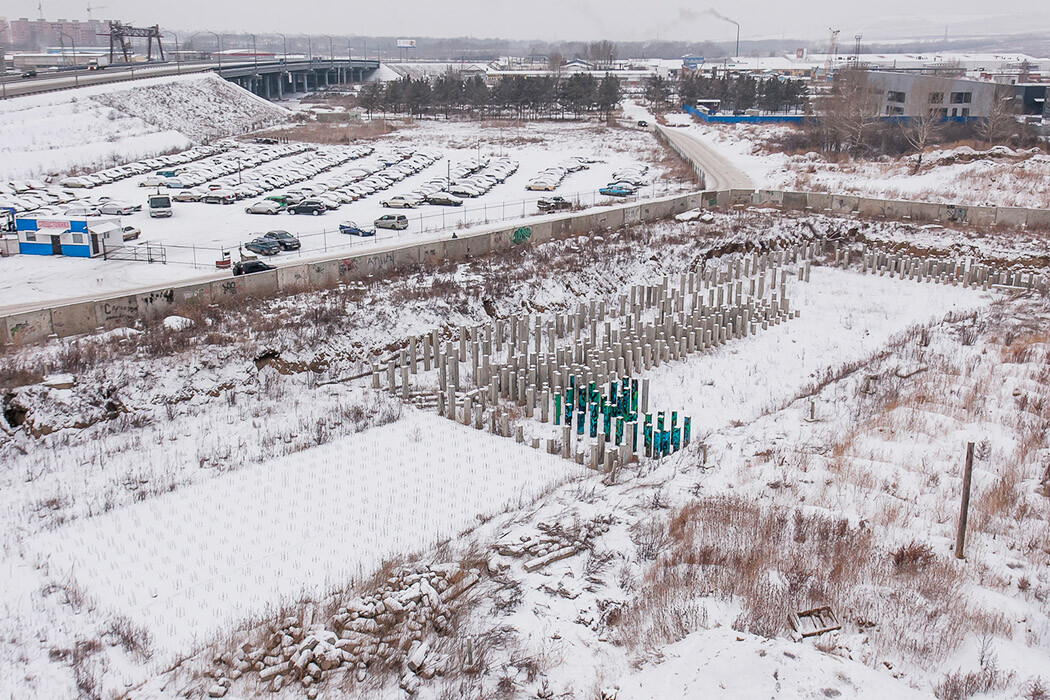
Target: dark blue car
264,246
354,230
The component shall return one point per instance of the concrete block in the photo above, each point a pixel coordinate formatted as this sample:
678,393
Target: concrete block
327,273
293,278
29,327
542,232
466,247
1039,219
156,303
867,206
1015,217
794,200
926,211
768,197
119,311
74,319
260,284
953,213
844,204
581,224
740,196
986,216
818,201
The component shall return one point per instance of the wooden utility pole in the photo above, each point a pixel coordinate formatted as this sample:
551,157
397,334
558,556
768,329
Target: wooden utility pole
960,536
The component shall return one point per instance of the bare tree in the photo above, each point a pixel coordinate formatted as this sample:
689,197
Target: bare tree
848,111
927,117
995,127
602,53
922,131
554,62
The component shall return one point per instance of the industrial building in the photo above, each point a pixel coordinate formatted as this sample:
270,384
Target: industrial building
913,94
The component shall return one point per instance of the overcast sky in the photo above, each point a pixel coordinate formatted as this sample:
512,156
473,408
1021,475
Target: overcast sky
619,20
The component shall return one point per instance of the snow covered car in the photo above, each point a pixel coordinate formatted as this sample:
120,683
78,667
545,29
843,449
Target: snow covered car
398,222
399,202
444,199
553,204
119,208
265,206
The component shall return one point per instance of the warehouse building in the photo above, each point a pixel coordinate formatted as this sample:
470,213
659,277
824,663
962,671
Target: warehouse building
916,94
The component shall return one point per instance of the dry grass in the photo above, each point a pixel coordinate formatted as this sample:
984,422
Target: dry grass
776,560
332,132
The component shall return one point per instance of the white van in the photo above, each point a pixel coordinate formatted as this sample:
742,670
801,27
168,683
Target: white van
159,205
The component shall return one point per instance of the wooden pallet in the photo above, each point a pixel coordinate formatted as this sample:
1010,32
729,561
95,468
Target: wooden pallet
810,623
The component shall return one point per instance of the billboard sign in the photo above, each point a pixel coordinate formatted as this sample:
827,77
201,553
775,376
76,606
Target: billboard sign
406,43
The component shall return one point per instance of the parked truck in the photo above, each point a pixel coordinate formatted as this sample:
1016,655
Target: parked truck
159,205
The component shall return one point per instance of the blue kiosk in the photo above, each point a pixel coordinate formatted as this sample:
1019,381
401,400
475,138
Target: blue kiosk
79,237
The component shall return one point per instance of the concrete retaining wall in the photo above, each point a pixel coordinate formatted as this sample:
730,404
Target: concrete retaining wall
1010,216
73,319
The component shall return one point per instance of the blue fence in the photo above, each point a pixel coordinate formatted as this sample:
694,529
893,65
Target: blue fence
796,118
744,118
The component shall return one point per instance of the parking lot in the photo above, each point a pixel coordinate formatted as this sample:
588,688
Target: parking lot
440,185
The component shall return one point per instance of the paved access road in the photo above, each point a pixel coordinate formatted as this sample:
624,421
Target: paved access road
719,173
62,80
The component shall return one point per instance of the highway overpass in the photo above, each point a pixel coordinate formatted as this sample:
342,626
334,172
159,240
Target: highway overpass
269,79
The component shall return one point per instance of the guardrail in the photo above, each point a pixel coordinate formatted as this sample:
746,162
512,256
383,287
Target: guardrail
702,178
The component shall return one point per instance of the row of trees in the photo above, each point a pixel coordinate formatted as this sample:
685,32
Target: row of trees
734,92
525,97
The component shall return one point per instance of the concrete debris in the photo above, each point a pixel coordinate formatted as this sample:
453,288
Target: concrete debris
395,626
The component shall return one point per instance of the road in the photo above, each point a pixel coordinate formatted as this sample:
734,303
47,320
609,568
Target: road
46,82
719,173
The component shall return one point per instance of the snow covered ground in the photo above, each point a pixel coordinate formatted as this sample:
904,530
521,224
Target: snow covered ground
205,475
999,176
193,562
95,127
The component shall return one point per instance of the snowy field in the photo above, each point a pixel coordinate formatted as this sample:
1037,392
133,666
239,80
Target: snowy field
191,563
197,234
998,176
92,128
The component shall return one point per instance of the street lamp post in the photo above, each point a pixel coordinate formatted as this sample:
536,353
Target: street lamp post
3,71
255,54
76,74
218,42
178,59
285,40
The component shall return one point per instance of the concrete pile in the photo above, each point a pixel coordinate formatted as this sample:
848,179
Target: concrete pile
554,543
524,365
966,273
392,628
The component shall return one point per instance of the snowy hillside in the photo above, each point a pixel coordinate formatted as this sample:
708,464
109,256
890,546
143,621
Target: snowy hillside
97,127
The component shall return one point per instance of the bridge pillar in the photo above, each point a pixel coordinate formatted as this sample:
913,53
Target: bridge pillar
266,86
280,86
